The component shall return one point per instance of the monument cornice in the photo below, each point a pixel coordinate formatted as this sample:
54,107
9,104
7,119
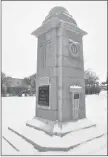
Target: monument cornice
73,28
46,27
55,22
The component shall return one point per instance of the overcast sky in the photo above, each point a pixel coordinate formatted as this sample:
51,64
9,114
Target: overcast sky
20,19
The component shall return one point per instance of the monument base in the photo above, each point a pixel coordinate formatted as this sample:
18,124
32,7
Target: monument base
82,134
59,128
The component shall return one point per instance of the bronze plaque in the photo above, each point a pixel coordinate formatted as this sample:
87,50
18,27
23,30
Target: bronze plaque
43,95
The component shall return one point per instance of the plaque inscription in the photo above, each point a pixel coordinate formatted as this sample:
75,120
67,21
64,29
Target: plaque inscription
43,95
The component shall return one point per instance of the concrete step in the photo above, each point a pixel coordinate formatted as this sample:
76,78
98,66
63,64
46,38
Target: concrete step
92,147
7,148
23,146
59,128
97,146
43,142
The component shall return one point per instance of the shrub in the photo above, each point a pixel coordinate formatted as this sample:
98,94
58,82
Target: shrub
94,89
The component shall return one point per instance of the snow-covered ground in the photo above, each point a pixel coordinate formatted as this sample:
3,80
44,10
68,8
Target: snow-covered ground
18,110
96,108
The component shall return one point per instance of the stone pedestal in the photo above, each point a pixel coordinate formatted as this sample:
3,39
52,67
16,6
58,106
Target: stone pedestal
59,128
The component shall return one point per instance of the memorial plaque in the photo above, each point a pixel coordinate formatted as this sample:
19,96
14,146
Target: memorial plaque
76,96
43,95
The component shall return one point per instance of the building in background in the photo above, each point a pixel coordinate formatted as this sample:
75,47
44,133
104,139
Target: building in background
16,86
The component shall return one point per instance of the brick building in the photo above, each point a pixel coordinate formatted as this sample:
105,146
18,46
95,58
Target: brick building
16,86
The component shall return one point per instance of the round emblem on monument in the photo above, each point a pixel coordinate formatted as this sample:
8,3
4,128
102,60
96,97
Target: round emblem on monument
74,49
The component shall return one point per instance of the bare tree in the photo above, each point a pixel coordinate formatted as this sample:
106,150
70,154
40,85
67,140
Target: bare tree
91,78
3,83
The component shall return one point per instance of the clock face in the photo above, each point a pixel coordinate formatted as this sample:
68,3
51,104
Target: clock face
74,49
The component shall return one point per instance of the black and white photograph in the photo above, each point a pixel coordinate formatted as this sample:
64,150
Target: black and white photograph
54,78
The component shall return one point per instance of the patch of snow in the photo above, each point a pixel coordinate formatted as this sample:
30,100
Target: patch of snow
41,125
72,126
68,140
16,111
75,87
96,108
90,148
103,93
24,147
95,147
59,128
7,149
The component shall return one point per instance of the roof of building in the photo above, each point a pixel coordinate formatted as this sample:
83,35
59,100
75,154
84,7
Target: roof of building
16,82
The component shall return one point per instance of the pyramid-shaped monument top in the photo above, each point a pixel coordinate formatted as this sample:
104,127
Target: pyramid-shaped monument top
60,13
58,16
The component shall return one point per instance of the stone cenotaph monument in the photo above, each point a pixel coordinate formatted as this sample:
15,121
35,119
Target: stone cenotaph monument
60,122
60,85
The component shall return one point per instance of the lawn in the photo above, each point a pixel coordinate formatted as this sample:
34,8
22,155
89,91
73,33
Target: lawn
17,110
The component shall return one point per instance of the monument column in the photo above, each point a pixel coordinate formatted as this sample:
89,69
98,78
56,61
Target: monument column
60,85
60,78
60,68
